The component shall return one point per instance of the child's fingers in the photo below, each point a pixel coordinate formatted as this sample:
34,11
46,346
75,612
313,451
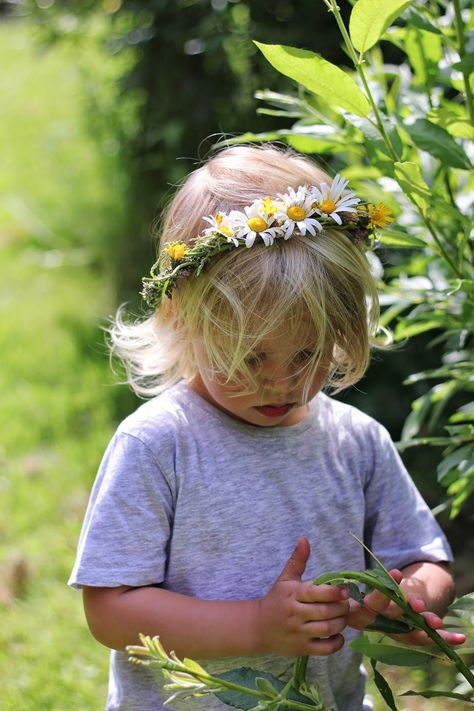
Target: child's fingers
309,612
323,629
416,603
324,647
308,592
420,638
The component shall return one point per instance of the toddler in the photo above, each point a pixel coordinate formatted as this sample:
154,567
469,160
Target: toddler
262,297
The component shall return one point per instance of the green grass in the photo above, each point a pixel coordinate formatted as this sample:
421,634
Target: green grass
60,201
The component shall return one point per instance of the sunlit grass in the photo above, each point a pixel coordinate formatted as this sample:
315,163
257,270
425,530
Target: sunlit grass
60,200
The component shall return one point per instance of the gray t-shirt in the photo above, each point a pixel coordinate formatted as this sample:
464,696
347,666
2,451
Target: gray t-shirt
197,502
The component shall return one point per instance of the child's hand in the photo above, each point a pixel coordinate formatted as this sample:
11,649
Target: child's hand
376,603
299,618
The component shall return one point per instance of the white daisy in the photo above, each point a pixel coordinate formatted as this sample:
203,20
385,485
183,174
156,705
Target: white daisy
329,201
221,224
255,220
295,210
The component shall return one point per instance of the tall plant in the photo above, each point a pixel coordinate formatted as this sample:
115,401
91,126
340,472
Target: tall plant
403,133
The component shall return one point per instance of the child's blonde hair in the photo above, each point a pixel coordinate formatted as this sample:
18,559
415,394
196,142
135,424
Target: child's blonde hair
317,288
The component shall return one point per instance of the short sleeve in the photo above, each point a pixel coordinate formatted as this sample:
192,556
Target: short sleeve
399,526
128,521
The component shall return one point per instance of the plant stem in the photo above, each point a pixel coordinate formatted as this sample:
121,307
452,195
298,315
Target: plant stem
299,673
440,642
440,246
358,64
459,25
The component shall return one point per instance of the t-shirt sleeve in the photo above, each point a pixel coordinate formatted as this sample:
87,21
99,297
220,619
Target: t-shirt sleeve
399,526
128,521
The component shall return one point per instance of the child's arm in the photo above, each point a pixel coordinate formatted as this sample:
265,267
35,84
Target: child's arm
294,618
429,588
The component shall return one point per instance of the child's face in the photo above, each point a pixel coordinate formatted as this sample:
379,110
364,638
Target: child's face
280,373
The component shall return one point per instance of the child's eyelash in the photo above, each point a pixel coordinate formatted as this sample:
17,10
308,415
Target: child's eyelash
304,355
254,360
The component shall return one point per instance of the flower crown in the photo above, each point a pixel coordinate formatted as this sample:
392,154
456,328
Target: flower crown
308,209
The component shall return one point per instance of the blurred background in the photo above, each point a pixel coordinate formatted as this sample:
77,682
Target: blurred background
105,107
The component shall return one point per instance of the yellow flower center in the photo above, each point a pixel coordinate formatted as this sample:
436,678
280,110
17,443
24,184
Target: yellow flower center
380,216
257,224
296,213
176,251
327,206
269,206
219,218
226,231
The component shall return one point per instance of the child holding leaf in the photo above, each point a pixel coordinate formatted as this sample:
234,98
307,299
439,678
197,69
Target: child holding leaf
262,296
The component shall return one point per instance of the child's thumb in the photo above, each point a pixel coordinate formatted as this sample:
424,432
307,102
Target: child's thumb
296,563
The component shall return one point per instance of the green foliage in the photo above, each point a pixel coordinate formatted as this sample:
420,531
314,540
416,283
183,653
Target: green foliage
58,207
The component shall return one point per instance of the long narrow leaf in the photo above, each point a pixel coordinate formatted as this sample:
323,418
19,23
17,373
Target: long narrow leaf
435,140
382,685
463,603
389,653
433,693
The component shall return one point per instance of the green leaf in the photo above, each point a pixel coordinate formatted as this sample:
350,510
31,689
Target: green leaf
318,75
423,441
455,123
419,412
303,143
370,18
411,182
466,602
355,592
389,626
406,329
414,18
424,51
389,653
382,685
433,693
311,144
397,238
245,676
463,454
266,686
466,64
437,142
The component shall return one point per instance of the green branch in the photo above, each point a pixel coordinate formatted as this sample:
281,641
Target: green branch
459,25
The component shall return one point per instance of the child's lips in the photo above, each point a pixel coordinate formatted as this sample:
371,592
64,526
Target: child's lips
274,410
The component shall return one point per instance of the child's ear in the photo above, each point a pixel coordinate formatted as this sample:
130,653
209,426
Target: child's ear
169,315
167,312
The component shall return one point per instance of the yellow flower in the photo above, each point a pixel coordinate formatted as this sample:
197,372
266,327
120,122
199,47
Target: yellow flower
379,215
269,207
176,250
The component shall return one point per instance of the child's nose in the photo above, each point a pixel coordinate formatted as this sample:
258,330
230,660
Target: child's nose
278,376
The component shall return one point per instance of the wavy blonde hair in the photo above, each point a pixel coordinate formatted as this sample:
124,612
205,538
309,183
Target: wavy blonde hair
319,288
